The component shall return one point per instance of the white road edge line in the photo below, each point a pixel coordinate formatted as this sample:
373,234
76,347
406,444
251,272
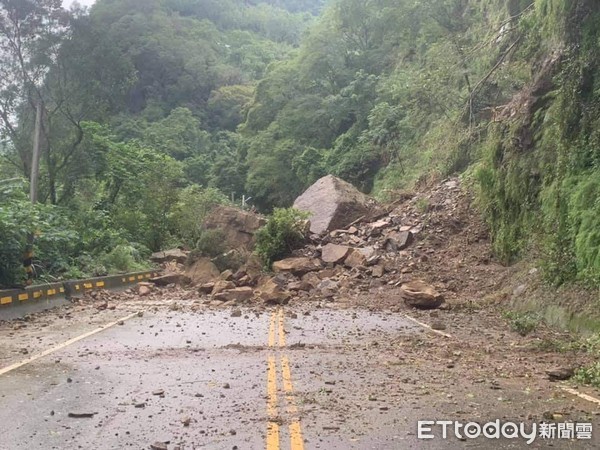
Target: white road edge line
424,325
63,345
575,392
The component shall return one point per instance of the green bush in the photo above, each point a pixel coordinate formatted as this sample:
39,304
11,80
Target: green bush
194,205
19,219
123,258
589,375
284,232
211,243
522,323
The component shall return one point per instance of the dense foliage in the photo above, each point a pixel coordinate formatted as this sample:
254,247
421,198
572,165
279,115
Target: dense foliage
156,110
284,232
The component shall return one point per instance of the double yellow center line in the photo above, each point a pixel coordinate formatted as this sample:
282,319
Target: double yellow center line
277,336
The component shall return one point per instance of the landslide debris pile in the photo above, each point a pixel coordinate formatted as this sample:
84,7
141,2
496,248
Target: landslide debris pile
424,249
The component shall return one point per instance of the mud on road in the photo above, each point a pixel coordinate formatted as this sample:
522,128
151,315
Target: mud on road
313,375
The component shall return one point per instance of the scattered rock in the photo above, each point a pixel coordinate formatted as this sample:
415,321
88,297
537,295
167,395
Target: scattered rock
355,259
176,255
328,287
171,278
236,313
333,254
296,266
102,306
159,446
221,286
253,267
82,415
246,280
206,288
311,279
237,295
271,293
202,271
227,275
368,252
378,271
300,286
419,294
398,240
560,373
380,224
144,290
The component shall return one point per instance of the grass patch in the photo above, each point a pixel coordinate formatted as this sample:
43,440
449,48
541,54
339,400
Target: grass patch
522,323
422,205
589,375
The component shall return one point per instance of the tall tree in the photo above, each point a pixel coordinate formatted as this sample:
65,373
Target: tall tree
31,32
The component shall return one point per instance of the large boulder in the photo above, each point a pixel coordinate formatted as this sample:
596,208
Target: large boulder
421,295
202,271
238,226
332,203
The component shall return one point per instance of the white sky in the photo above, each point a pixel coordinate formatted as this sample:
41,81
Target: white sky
68,3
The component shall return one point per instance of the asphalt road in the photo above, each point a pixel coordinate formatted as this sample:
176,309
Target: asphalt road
277,379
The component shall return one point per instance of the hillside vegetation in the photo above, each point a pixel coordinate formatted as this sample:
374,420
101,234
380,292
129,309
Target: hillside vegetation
155,110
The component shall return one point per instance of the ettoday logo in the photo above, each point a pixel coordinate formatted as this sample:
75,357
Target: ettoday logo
429,429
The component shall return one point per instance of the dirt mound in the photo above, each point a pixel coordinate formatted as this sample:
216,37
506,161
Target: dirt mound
436,236
452,246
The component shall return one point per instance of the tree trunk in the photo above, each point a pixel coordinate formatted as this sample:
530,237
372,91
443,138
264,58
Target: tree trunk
35,159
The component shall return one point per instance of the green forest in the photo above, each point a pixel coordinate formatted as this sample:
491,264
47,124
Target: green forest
153,111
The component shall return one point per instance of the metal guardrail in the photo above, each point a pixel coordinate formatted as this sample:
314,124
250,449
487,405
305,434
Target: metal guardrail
51,294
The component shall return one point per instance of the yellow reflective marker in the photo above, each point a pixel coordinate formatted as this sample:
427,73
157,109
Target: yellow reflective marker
131,278
88,285
100,284
51,292
273,426
5,300
23,297
62,290
37,294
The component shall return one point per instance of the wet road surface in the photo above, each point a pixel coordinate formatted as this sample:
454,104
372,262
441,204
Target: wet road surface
288,379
